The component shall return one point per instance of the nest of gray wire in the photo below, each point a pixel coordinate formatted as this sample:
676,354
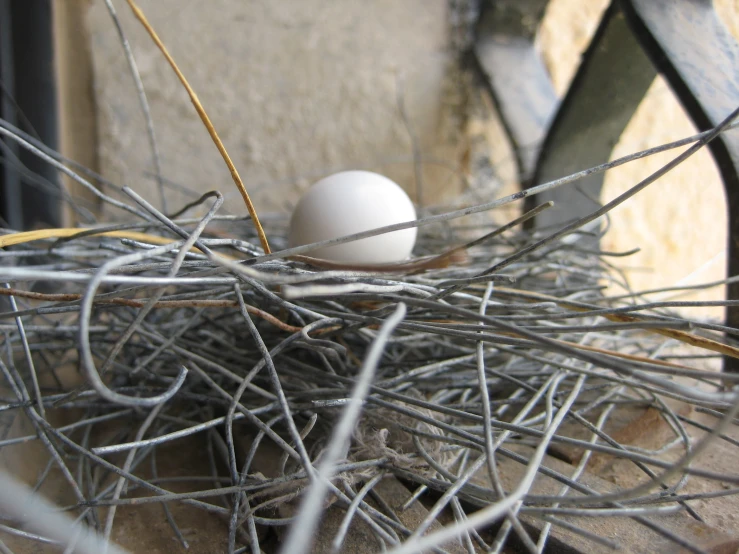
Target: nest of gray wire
460,406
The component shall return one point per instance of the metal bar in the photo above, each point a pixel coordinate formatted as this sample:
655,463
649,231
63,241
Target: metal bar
10,177
519,83
35,92
614,76
700,59
28,97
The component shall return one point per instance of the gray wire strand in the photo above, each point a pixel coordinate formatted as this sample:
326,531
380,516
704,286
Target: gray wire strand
143,101
41,516
299,538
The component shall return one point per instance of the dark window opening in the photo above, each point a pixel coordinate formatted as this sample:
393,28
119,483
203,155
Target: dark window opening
29,187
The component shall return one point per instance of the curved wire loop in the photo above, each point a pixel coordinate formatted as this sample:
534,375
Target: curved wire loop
86,360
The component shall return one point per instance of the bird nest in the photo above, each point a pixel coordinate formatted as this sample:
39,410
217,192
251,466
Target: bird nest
489,387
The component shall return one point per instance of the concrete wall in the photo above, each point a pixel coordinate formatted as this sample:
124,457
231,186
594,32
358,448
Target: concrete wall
296,90
76,97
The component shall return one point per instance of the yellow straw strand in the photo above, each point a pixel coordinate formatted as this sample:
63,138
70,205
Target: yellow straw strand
41,234
63,232
208,125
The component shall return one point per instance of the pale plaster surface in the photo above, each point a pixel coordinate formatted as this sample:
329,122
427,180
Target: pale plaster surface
296,90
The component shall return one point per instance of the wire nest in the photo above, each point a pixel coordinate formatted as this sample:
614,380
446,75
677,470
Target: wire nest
310,387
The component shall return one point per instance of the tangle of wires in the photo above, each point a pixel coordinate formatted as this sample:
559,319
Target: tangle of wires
469,406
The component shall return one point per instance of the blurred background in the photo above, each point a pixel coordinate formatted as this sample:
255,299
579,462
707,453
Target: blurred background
298,90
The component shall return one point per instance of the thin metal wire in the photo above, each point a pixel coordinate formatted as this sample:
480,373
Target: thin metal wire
143,101
299,539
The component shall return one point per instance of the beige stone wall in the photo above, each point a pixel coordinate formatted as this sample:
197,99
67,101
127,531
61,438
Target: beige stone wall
679,222
296,90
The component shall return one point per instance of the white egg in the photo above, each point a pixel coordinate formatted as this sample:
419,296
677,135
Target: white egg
350,202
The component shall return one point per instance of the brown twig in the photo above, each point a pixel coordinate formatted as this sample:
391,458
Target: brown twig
162,304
